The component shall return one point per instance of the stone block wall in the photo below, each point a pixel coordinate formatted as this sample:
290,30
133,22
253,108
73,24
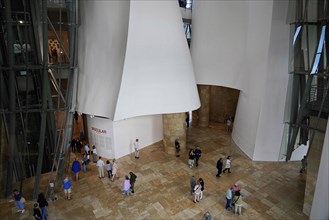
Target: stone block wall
174,128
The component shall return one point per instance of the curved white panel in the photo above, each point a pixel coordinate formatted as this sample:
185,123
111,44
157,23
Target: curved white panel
219,42
102,45
158,76
244,45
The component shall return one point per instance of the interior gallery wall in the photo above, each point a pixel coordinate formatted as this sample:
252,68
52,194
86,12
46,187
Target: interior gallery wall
244,45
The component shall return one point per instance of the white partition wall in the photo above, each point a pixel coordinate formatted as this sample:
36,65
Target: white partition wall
158,76
244,45
100,134
148,129
102,37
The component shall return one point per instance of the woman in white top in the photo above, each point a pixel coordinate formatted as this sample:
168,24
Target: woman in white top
228,165
197,192
114,170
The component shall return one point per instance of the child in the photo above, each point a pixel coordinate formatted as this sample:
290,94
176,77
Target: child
36,211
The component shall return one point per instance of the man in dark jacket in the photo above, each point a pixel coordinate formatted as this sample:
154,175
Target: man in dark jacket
132,181
197,153
219,167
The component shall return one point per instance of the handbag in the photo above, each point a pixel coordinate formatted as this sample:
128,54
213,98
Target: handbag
22,200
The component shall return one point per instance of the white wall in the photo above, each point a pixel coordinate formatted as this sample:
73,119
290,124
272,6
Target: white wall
244,45
158,75
100,134
321,195
270,126
148,129
102,42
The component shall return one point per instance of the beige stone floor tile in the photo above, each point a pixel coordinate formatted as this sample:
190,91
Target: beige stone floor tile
271,190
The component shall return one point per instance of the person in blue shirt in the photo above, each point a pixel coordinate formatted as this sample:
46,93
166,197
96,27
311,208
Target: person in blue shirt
76,168
228,199
67,188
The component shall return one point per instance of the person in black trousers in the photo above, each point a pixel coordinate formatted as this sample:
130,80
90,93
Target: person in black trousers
219,167
197,153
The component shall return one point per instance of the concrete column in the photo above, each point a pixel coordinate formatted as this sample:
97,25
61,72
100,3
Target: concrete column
203,112
174,128
313,162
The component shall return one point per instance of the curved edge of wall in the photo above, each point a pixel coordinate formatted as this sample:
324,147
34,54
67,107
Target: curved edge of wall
320,200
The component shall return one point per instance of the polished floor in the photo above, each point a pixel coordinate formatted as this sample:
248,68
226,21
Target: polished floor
270,190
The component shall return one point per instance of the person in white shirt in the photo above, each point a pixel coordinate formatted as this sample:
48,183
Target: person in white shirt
228,165
100,164
87,149
197,192
136,147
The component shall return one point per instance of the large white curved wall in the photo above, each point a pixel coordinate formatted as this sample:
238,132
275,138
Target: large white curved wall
134,60
102,35
244,45
158,76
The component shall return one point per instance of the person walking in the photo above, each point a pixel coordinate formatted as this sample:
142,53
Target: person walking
87,149
100,164
94,152
136,147
84,162
191,157
219,167
18,201
177,148
109,168
67,188
114,170
132,181
201,182
228,164
228,199
126,186
197,153
43,205
197,192
192,184
76,168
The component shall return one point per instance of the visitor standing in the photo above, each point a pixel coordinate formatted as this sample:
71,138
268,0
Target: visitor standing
115,168
228,199
94,151
136,147
191,157
100,164
76,168
18,201
192,184
197,192
109,168
219,166
132,181
126,186
67,188
177,147
304,164
197,153
43,205
201,182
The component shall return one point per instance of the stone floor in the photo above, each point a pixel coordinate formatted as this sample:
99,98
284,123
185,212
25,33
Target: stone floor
270,190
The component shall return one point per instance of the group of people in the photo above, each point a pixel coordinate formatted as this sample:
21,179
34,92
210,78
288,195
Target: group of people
234,198
129,183
194,156
196,188
111,169
219,166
